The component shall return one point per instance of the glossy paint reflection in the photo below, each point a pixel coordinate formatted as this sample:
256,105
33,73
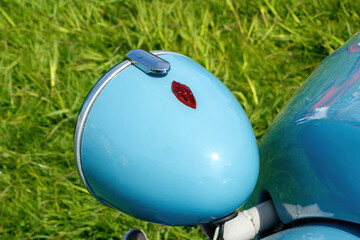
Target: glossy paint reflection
310,156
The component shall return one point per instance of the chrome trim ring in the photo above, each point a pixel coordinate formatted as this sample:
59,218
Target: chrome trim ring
84,112
86,108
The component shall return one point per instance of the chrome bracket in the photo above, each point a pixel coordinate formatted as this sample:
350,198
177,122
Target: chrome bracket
147,62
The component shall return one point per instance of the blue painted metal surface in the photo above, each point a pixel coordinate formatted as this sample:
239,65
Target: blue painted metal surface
149,155
319,231
310,156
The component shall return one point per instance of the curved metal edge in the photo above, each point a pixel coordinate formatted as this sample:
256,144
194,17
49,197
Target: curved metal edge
84,112
86,108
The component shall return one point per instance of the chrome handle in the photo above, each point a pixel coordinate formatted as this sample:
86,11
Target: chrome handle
147,62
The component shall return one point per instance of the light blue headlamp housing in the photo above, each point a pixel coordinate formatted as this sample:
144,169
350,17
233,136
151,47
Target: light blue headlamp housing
162,139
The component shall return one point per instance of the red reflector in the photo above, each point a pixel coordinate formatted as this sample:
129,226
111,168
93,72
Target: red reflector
184,94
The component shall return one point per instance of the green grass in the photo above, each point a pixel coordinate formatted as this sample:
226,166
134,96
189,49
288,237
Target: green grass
52,52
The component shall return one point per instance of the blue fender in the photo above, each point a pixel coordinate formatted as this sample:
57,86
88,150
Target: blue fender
310,156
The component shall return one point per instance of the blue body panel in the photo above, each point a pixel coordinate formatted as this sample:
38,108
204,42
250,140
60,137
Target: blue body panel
319,231
310,156
149,155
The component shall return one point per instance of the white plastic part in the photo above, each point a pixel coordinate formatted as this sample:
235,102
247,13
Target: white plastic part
250,222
